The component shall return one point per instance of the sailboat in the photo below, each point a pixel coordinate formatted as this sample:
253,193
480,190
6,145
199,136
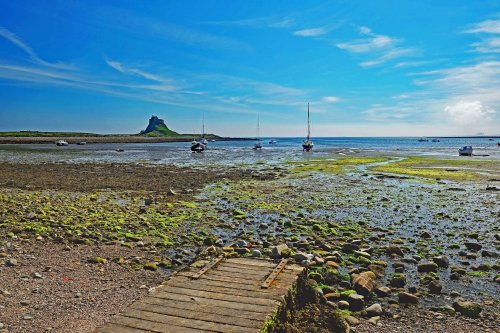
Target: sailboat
202,140
307,144
197,146
258,143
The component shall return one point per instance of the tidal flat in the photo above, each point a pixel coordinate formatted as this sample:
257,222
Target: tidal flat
426,227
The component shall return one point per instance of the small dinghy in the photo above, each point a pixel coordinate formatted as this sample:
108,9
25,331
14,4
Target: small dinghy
273,142
61,143
465,151
81,143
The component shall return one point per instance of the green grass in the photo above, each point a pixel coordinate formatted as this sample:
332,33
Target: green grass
47,134
337,166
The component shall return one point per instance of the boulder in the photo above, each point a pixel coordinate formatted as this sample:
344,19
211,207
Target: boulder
393,249
374,310
398,281
383,291
435,287
407,298
379,270
441,261
467,308
365,283
473,246
426,267
356,302
277,250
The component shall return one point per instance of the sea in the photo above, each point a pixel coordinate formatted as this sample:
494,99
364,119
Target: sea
240,152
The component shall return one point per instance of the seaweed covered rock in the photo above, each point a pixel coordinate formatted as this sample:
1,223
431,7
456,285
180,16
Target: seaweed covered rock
467,308
364,283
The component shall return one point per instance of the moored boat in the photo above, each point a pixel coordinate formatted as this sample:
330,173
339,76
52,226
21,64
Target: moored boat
273,142
465,151
197,146
307,144
61,143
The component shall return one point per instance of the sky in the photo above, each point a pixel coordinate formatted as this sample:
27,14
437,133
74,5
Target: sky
367,68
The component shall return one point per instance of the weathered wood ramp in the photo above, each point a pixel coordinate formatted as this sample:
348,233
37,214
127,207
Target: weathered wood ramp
228,295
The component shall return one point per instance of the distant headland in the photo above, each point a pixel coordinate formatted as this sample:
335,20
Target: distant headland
156,131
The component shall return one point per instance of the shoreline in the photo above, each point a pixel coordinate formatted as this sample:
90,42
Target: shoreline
105,139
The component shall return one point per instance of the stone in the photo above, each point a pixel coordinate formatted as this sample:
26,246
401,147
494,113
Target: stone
353,321
11,262
471,246
356,302
379,270
491,254
443,309
256,253
398,281
333,264
1,326
349,247
241,243
277,250
435,287
343,305
365,283
426,267
393,249
383,291
374,310
407,298
374,320
332,296
441,261
363,254
425,234
37,275
301,256
467,308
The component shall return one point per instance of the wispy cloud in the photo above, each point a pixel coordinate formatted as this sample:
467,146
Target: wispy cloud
489,33
488,26
330,99
257,22
14,39
384,48
312,32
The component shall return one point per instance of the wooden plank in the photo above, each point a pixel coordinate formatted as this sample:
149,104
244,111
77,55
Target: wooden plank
251,262
282,281
207,267
226,289
204,308
215,283
289,267
115,328
238,275
277,270
188,323
152,326
214,302
193,314
242,270
219,296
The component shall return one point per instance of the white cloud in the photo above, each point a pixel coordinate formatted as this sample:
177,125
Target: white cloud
125,70
313,32
375,43
331,99
488,26
14,39
469,113
489,45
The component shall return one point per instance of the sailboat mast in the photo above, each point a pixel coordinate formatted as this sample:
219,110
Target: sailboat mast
308,123
203,126
258,127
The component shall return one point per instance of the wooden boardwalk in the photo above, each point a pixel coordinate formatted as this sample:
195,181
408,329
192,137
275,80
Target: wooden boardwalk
235,295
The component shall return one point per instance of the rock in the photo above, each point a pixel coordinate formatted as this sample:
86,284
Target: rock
393,249
486,253
443,309
467,308
277,250
473,246
150,266
441,261
426,267
356,302
333,264
148,201
241,243
301,256
425,234
363,254
374,320
405,298
332,296
256,253
25,302
353,321
1,326
398,281
11,262
435,287
374,310
27,317
349,247
365,282
37,275
343,305
379,270
383,291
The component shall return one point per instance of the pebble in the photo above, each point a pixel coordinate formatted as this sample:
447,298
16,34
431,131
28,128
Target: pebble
1,326
27,317
37,275
374,320
256,253
11,262
374,310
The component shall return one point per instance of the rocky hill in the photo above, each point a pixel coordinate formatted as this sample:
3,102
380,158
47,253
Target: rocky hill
157,127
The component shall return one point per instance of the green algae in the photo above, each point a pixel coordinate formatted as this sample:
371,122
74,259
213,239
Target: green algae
337,166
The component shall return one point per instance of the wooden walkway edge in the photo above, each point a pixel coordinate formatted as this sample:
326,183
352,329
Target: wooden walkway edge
236,295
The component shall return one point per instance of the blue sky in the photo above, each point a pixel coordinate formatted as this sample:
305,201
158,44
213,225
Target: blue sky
368,68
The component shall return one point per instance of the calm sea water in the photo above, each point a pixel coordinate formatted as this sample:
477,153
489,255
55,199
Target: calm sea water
241,152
